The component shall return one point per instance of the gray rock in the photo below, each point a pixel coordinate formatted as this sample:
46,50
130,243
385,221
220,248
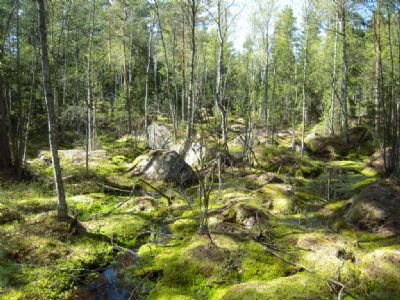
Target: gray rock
245,215
167,166
159,136
195,154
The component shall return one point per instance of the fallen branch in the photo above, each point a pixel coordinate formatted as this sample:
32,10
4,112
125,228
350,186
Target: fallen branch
123,249
287,261
342,287
157,190
114,188
121,203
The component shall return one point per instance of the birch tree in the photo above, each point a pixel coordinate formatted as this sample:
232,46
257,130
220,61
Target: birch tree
51,114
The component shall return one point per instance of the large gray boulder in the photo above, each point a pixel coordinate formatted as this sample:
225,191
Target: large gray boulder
165,165
195,153
159,136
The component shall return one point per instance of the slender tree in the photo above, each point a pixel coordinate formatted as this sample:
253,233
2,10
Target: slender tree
51,113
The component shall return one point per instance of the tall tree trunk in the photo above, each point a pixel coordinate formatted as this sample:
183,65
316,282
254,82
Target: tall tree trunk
20,124
392,119
294,109
378,68
332,109
89,101
64,85
264,106
304,110
183,104
397,134
170,103
128,102
146,113
191,100
222,30
272,107
110,70
174,80
345,77
5,152
28,118
51,114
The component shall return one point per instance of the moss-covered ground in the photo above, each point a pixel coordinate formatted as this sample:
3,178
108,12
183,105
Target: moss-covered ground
303,248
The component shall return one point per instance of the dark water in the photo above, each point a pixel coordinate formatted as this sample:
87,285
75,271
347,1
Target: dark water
106,287
109,286
111,290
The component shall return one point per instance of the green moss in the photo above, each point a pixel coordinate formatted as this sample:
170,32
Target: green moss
299,286
191,266
281,201
168,293
184,226
257,264
370,172
380,275
90,205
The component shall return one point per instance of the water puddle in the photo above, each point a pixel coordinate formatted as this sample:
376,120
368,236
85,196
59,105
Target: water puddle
110,285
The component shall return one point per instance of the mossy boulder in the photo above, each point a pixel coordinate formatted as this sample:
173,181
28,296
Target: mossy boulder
326,253
166,166
265,178
280,197
245,215
377,208
140,204
377,160
359,140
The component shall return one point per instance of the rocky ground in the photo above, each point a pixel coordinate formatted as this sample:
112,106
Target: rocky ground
282,226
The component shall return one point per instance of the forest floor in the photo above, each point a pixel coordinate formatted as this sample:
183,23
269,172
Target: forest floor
301,246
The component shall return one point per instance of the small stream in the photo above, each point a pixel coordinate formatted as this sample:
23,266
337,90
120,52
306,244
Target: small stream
110,285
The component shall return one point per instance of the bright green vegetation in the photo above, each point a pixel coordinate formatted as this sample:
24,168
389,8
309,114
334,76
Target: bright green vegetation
154,149
41,258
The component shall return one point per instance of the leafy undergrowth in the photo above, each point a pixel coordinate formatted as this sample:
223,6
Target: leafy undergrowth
300,247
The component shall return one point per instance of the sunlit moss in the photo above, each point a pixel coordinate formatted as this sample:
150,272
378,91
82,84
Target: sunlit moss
299,286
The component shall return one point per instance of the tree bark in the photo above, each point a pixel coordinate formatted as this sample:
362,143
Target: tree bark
183,104
393,117
345,77
304,88
190,101
170,103
147,80
332,109
5,152
219,97
128,102
51,114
